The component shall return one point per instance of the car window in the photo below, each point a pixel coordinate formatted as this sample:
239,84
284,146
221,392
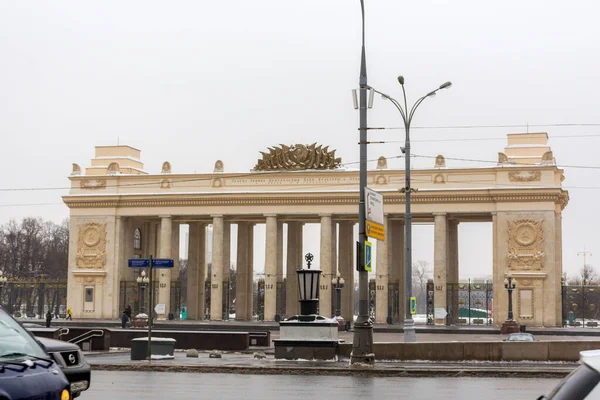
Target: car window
578,385
14,339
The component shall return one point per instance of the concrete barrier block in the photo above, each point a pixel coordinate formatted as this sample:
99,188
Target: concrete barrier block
524,351
388,351
569,350
482,351
344,350
448,351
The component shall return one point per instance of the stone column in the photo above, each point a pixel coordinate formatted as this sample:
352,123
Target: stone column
226,269
294,263
250,280
397,266
280,302
113,288
271,246
164,275
500,296
452,275
216,279
175,254
326,265
382,276
440,268
558,263
346,268
192,289
242,294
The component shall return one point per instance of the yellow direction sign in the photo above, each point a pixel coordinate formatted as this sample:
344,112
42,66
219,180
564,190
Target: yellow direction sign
375,230
368,253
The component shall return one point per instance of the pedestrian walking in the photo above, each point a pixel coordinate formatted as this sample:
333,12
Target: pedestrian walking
128,311
48,319
69,314
124,319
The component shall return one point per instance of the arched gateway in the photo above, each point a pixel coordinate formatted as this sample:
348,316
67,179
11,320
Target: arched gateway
118,212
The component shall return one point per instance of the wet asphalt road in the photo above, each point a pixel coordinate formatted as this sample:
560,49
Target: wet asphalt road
165,385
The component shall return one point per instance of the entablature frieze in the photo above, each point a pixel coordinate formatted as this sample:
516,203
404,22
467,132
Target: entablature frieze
557,196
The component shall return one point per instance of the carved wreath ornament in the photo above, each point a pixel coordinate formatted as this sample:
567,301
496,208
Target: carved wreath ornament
297,157
91,246
525,243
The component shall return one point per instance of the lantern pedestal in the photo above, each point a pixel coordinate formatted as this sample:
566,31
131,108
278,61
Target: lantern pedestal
308,307
307,337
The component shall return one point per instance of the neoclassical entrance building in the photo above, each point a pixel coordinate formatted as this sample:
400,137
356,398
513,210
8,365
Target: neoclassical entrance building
118,212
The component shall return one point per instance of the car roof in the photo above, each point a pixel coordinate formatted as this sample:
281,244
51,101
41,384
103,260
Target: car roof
591,358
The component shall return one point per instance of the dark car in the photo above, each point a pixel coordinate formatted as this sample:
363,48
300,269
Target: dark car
72,362
581,384
26,371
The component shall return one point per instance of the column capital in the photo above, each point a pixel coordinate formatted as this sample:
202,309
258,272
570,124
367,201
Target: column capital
494,213
439,214
270,215
216,216
325,215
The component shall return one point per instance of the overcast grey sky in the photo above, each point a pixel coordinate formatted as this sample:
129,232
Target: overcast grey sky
193,81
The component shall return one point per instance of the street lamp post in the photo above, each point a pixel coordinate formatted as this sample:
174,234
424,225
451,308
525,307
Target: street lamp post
338,284
510,325
142,281
407,116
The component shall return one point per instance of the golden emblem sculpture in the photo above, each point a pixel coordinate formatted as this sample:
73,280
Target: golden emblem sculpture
297,157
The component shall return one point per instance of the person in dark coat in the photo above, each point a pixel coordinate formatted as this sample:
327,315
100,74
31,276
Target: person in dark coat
128,311
124,319
48,319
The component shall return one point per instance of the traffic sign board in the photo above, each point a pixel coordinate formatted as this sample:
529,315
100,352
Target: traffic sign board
440,313
375,230
138,263
368,256
413,305
162,263
160,309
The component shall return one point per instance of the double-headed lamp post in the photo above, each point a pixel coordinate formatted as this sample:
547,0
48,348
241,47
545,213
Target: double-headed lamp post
142,281
407,116
338,284
510,325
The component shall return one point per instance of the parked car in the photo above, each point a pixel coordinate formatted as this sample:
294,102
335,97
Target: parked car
520,337
72,362
26,371
581,384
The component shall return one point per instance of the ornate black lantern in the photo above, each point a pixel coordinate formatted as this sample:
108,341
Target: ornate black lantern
308,285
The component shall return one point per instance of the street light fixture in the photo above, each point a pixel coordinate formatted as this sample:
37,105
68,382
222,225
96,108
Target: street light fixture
510,325
338,284
142,281
407,116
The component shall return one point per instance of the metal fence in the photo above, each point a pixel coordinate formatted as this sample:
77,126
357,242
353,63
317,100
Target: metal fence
130,294
33,298
469,303
581,305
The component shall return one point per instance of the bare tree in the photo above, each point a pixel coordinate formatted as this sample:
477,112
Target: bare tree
421,272
588,275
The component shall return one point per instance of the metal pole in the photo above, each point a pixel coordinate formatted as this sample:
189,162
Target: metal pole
151,300
363,328
409,324
510,310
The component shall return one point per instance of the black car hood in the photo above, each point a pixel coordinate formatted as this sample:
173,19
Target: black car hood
53,345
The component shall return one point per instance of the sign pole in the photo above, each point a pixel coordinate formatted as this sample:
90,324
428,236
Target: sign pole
151,308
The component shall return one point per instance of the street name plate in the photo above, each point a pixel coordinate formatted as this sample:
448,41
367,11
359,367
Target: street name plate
160,309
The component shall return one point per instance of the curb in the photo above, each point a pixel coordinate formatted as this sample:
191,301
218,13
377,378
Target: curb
475,371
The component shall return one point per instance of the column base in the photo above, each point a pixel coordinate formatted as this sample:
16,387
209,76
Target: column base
410,335
362,344
509,326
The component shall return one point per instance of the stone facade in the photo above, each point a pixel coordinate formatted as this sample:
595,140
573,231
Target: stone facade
522,196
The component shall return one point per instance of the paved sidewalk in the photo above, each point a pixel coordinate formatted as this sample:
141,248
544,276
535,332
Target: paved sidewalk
247,364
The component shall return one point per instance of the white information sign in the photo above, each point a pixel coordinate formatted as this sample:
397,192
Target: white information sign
440,313
160,309
374,206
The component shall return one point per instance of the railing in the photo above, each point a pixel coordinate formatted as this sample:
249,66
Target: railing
87,335
63,332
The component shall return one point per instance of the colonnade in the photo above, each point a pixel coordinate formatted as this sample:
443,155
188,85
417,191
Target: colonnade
337,253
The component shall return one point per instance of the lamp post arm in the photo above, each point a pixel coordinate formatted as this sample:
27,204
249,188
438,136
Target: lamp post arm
418,103
394,102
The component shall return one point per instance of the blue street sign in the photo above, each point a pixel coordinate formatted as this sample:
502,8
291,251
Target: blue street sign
368,256
139,263
162,263
413,305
